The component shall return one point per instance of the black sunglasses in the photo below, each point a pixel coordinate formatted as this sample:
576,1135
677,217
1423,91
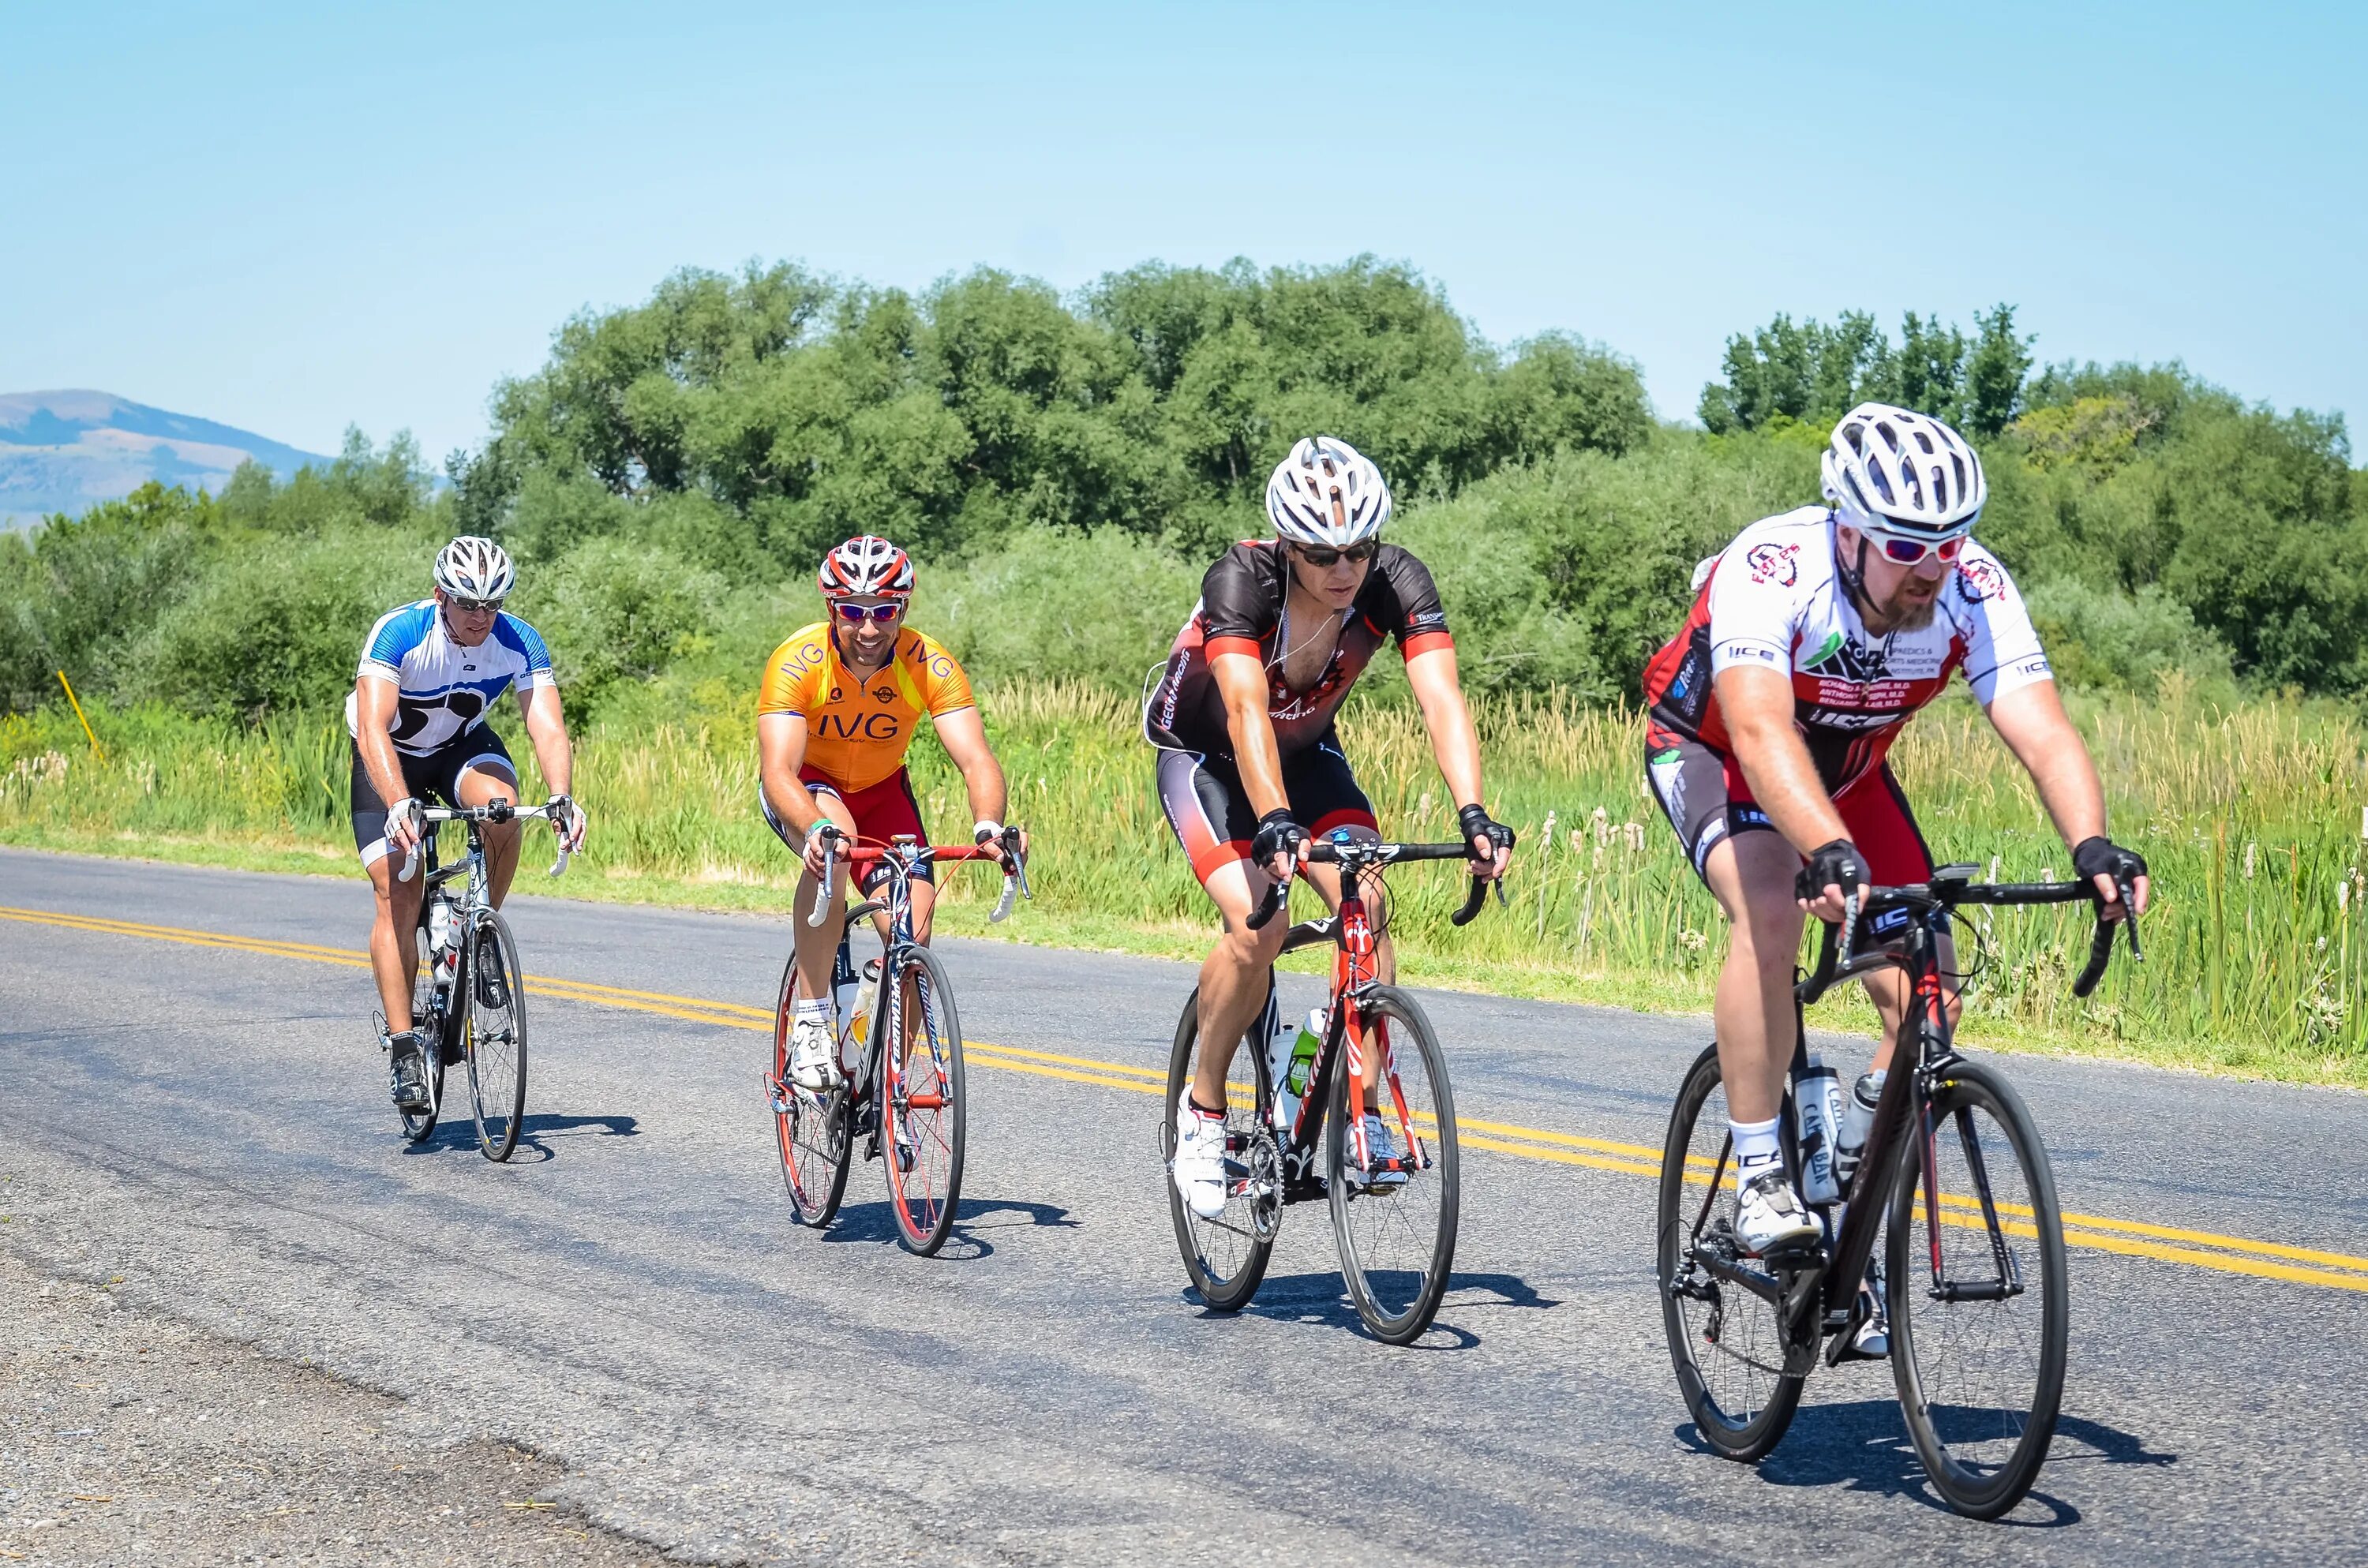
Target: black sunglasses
1323,555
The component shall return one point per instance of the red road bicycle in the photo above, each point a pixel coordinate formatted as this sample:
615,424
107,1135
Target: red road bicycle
908,1102
1393,1217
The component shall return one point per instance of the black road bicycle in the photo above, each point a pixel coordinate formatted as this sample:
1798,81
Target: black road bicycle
908,1103
1953,1172
466,1000
1394,1219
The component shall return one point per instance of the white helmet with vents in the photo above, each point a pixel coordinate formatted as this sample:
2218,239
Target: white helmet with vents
1892,472
866,566
473,568
1326,493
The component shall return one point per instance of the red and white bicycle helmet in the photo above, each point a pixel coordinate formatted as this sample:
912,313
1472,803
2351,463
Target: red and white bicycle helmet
866,567
1326,493
1888,470
473,568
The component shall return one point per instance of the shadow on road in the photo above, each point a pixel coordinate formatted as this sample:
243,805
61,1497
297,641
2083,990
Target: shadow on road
876,1222
1323,1299
458,1132
1864,1446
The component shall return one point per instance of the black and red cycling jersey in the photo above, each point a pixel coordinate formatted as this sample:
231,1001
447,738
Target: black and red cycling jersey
1243,609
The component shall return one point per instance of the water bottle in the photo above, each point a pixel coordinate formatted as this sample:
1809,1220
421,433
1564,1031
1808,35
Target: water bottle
1291,1054
1817,1102
860,1015
443,928
1850,1143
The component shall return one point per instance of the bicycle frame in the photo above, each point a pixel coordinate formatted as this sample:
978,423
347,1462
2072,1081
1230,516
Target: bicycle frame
1351,1038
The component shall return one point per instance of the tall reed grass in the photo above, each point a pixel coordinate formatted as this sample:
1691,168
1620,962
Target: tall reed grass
2250,812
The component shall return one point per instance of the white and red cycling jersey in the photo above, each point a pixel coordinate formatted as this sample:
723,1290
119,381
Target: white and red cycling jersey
1773,599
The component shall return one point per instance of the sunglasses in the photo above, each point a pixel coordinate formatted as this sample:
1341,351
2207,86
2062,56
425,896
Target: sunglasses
1908,552
473,607
856,615
1319,555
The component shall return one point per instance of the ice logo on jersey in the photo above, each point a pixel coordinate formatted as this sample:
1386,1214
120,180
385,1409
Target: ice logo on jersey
1774,564
1979,580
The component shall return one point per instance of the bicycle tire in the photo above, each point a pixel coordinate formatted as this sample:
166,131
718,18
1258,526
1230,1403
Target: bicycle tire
1981,1459
1242,1238
1740,1407
1398,1288
928,1114
493,1034
812,1130
429,1020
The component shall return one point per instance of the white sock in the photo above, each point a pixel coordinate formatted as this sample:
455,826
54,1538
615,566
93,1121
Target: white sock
1756,1149
806,1007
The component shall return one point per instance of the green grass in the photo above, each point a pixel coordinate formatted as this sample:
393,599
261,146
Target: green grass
2249,811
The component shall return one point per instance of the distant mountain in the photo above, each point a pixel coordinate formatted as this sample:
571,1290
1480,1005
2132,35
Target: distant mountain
62,452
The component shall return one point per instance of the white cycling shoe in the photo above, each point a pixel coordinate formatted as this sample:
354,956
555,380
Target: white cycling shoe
1200,1163
1381,1148
1769,1216
813,1055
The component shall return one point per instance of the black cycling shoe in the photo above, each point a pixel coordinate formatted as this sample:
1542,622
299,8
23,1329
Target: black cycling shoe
407,1072
493,987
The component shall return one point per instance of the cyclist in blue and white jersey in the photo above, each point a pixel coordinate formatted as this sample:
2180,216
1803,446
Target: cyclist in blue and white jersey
430,672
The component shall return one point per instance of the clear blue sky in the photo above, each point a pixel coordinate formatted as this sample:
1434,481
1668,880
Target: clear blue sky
293,218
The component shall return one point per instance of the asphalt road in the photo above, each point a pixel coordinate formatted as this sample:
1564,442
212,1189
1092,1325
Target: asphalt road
630,1301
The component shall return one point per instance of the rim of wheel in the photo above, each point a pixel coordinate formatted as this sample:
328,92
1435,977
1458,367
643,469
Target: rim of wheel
1397,1222
921,1132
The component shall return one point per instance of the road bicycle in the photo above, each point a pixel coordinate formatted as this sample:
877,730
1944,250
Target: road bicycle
1955,1174
1392,1218
902,995
467,998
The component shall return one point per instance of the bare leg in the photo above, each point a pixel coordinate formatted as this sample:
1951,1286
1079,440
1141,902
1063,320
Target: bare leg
483,785
393,944
817,945
1233,977
1751,875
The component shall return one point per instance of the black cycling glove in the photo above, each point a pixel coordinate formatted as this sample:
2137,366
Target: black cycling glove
2101,857
1277,834
1476,822
1838,865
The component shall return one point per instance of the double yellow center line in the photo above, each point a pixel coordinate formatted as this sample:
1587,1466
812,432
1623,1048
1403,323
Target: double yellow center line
2201,1249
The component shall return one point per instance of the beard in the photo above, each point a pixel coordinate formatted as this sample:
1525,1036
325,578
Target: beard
1897,614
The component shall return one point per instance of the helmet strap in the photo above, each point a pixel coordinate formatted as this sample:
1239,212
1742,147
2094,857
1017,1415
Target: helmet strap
1854,581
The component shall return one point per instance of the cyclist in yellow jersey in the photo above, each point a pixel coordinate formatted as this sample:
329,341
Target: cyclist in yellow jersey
839,704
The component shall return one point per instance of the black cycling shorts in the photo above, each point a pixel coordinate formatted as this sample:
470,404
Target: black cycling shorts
1703,793
434,777
1212,815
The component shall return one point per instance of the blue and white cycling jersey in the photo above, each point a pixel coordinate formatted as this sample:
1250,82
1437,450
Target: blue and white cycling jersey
443,690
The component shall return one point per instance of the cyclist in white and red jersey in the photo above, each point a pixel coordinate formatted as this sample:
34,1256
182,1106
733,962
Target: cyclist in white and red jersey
1814,638
1250,764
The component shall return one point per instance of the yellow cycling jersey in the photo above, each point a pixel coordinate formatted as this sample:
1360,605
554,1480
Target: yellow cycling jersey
857,730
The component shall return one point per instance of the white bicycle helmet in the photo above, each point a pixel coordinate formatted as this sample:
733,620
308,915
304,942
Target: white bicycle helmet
1890,470
1326,493
866,566
473,568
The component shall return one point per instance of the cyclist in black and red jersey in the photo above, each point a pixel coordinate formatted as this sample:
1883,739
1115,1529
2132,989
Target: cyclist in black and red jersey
1249,763
1814,638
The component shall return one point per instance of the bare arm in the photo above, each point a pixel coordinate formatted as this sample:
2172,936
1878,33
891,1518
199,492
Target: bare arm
780,751
963,734
374,712
2033,722
1455,743
1241,682
546,727
1758,705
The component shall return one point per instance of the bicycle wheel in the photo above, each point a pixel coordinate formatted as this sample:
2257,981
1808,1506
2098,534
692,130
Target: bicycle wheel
922,1107
493,1014
1395,1222
1979,1303
1225,1258
810,1128
427,1018
1728,1345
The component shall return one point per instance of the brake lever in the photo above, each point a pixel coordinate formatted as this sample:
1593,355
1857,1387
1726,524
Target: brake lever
2130,916
829,865
1276,896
